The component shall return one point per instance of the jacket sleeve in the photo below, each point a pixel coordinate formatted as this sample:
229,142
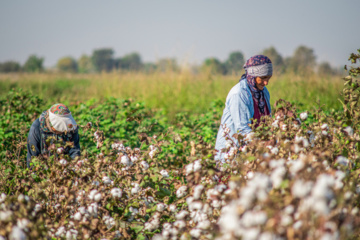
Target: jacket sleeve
33,142
75,151
239,106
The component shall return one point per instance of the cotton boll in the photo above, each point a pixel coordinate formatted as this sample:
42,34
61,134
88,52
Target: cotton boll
180,224
135,189
228,144
301,189
77,216
275,124
277,176
126,161
181,192
197,191
324,126
197,165
116,192
106,180
60,150
2,197
303,116
204,224
182,214
164,173
195,232
349,130
342,160
274,150
63,162
296,166
172,208
216,203
145,165
134,158
160,207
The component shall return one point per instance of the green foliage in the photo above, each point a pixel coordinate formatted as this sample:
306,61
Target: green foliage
10,66
85,64
103,60
130,62
234,64
276,59
325,69
34,64
213,66
67,64
303,60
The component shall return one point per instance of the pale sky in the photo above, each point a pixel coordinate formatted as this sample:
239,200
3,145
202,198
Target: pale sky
189,30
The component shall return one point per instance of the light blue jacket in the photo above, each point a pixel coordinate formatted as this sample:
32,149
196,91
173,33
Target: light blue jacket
239,109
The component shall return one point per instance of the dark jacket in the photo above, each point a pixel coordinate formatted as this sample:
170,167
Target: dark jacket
35,138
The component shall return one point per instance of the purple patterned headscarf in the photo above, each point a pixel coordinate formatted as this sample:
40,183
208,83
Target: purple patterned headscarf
257,66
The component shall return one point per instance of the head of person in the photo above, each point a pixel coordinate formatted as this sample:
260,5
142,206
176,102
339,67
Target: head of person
60,119
258,71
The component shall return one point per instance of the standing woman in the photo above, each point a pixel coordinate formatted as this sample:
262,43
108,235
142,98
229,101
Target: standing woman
247,99
55,122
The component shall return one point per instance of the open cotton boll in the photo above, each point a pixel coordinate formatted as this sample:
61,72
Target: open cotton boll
342,160
126,161
145,165
135,189
182,214
2,197
106,180
324,126
303,116
63,162
181,192
301,189
195,232
160,207
77,216
164,173
349,130
197,191
172,208
116,192
179,224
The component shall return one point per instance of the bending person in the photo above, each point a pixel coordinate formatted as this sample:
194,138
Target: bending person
56,122
247,99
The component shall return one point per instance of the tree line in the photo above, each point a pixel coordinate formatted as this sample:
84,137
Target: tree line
302,61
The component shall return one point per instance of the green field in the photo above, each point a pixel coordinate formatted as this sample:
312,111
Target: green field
171,92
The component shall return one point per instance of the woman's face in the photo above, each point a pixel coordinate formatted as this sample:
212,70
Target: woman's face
261,82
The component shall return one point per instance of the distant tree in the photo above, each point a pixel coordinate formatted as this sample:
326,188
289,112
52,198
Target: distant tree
103,59
131,62
276,59
303,60
10,66
149,67
325,69
214,66
67,64
85,64
34,64
235,63
167,64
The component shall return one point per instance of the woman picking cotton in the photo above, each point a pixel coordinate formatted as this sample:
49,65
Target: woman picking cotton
54,123
248,99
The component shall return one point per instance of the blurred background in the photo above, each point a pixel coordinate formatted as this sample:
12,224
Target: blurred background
175,56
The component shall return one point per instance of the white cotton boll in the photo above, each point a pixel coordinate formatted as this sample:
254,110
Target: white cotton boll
212,194
250,136
17,234
324,126
116,192
267,236
179,224
195,232
204,224
189,168
181,192
82,210
77,216
301,189
2,197
160,207
152,153
164,173
296,166
277,176
342,160
297,148
244,149
253,218
63,162
182,214
60,150
134,158
93,209
289,209
22,223
251,234
275,124
305,143
172,208
195,206
145,165
135,189
296,126
197,165
126,161
297,225
228,144
325,133
134,211
197,191
303,116
106,180
250,175
274,150
286,220
60,232
216,203
284,127
189,200
349,130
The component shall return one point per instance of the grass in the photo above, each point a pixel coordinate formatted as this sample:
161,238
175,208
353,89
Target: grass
172,92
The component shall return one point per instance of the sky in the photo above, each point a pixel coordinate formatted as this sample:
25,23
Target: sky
189,30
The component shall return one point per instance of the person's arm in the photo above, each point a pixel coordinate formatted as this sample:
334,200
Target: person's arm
75,151
33,142
240,112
